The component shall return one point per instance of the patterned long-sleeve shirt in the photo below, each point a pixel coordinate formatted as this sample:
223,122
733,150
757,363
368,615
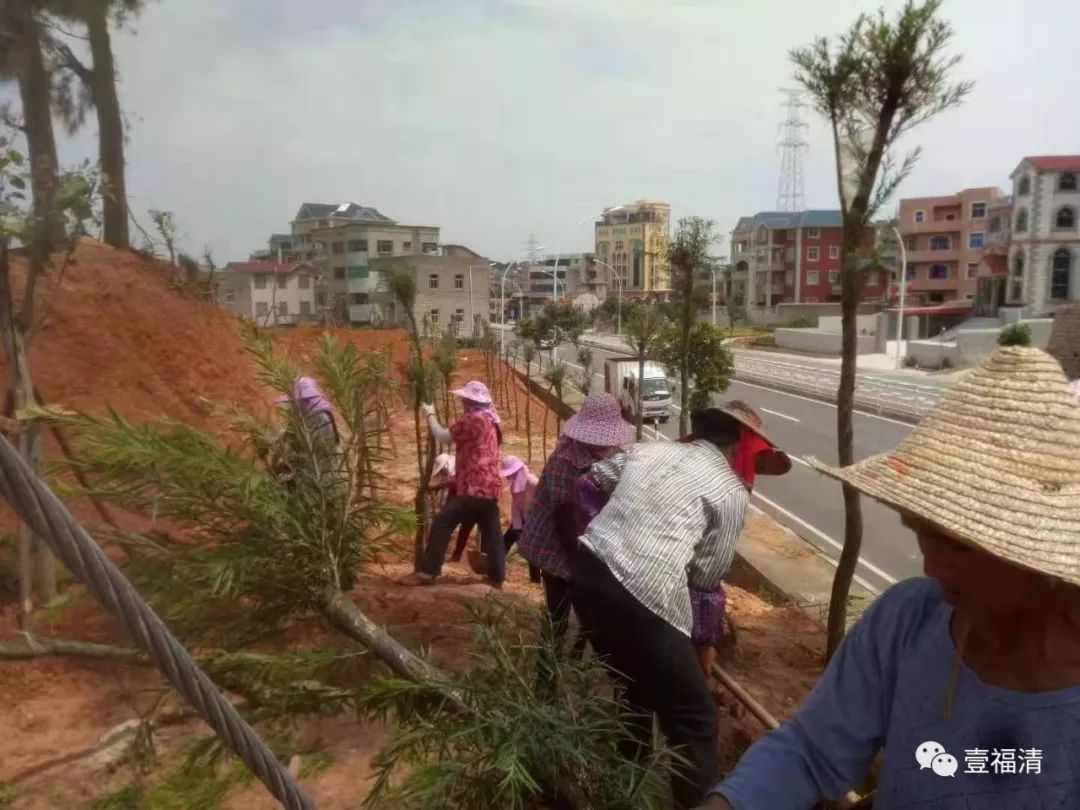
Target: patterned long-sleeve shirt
672,522
550,532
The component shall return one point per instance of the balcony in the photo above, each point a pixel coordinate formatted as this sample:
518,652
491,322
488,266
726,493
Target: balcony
935,256
934,226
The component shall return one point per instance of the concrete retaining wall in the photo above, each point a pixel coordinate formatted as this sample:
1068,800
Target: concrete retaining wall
971,346
785,312
863,323
821,342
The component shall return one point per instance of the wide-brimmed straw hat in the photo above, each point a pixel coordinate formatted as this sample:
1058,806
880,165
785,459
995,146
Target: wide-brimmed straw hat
599,423
474,391
773,462
509,465
995,464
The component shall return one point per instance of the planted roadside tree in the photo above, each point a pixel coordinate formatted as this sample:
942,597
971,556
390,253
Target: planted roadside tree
872,84
643,331
704,357
401,283
445,359
527,353
555,377
165,222
585,360
688,253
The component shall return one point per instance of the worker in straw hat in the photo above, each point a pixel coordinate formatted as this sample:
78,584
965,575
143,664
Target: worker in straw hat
967,680
670,526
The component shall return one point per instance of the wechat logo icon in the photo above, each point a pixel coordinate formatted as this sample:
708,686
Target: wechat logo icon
933,755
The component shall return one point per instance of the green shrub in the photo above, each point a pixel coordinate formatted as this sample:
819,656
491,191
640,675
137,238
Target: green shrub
805,322
765,340
1015,334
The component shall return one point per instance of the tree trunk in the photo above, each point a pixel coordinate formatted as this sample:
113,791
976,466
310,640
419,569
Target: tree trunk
638,419
543,432
845,403
684,361
528,414
558,413
110,128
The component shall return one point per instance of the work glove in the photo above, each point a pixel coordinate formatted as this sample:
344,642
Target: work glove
427,410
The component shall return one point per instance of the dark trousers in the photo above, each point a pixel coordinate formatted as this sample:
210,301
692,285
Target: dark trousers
509,538
462,540
459,509
659,672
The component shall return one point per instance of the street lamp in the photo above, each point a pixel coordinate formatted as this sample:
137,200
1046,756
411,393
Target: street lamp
502,304
903,286
585,221
618,278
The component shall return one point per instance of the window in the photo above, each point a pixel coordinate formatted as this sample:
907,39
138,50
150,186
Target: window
260,282
359,299
1067,182
262,309
358,246
811,277
1024,186
305,308
282,281
939,271
459,282
1016,288
978,210
322,223
358,272
813,233
429,247
283,308
1060,272
813,254
910,243
385,246
433,282
910,272
459,315
950,217
337,248
618,245
303,282
230,295
920,216
995,224
1065,219
406,245
834,251
339,273
975,240
1021,220
433,317
834,276
940,243
972,269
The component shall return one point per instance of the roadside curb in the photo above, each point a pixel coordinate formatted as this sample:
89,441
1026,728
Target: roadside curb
782,564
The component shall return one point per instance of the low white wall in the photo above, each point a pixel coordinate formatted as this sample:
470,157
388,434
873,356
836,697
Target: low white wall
971,346
831,323
821,342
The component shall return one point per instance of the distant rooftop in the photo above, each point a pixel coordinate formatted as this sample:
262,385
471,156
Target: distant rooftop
813,218
266,267
349,212
1054,163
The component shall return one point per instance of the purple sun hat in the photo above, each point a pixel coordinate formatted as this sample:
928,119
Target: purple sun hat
599,423
474,391
509,465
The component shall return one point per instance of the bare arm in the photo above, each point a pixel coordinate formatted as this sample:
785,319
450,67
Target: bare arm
441,434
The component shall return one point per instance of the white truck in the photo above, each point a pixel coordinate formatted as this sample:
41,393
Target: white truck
621,379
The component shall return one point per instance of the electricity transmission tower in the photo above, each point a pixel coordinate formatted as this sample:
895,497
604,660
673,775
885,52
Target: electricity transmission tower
792,143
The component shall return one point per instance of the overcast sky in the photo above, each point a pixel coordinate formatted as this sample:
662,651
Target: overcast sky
495,119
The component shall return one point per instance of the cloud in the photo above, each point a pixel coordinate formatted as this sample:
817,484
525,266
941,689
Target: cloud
496,118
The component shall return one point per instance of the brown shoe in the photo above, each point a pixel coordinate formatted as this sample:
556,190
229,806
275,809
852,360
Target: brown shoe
417,578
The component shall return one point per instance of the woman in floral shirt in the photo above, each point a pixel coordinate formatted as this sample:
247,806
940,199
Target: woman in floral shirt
476,438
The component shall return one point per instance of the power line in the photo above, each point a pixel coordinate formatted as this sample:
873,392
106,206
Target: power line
792,144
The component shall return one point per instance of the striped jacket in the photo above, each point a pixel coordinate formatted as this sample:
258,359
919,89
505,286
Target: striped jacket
674,517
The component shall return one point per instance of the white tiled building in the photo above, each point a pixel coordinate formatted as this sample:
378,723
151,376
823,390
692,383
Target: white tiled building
271,293
1044,245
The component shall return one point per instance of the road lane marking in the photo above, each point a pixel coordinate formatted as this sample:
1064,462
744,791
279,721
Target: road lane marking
777,413
908,425
821,535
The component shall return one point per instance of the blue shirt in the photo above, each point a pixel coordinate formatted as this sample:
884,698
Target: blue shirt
885,689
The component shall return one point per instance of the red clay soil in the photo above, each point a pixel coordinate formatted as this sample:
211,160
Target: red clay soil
119,336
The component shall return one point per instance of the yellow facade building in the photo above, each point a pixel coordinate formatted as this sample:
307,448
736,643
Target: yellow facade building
633,240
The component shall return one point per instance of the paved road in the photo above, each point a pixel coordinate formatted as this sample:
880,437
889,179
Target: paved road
805,500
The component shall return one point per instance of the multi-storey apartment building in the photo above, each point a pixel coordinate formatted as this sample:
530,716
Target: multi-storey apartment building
1044,239
633,239
340,240
945,238
272,293
781,257
452,289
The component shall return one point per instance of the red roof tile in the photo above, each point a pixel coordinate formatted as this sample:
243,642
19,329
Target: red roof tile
265,267
1055,163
